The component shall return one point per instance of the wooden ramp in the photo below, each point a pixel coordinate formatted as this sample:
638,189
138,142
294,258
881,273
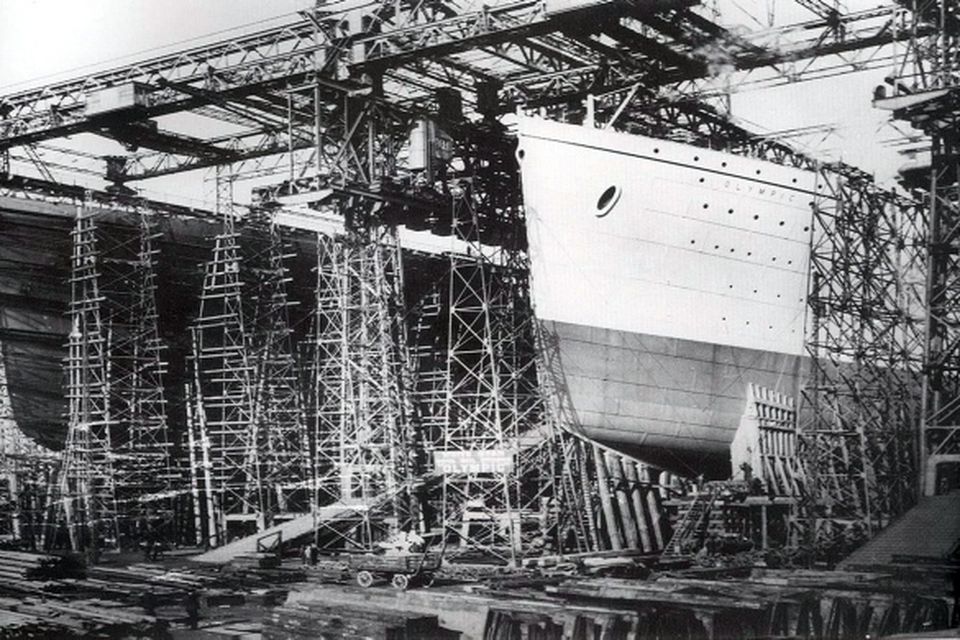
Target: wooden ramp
931,529
288,532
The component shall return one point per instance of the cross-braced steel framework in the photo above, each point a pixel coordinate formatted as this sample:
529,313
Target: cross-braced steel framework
363,424
492,432
929,90
859,424
941,420
277,401
140,439
86,499
224,388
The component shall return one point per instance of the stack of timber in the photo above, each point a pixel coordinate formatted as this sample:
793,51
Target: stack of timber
24,573
24,565
152,574
33,617
309,620
261,569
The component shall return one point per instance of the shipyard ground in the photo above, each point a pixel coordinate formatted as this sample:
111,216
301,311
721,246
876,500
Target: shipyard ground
903,581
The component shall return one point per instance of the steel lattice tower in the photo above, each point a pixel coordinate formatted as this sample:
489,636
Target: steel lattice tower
86,497
489,449
141,444
927,94
223,388
362,419
277,401
864,341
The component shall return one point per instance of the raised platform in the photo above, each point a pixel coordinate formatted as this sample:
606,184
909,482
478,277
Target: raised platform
931,530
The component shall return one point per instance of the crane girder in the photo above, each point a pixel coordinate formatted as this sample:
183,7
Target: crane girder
535,56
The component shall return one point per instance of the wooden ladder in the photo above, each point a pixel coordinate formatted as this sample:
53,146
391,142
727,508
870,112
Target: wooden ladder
691,522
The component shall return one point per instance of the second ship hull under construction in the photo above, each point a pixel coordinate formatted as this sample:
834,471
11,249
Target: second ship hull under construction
671,277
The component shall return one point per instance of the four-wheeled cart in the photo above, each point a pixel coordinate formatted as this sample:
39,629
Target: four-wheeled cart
401,570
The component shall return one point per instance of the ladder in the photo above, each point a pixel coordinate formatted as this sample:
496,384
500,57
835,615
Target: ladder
691,522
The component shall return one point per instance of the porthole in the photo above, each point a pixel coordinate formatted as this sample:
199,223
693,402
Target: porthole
655,150
702,179
693,242
706,206
781,223
608,200
730,211
723,164
521,154
696,158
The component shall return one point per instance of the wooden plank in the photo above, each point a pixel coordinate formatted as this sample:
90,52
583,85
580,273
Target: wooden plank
636,498
623,501
603,488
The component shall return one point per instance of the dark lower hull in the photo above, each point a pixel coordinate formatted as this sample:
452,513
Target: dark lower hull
673,402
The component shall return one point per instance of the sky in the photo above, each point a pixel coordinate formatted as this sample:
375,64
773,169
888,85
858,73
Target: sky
46,40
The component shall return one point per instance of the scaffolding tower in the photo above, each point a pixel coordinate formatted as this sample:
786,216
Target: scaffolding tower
494,495
363,421
140,441
223,424
277,402
865,343
86,498
927,94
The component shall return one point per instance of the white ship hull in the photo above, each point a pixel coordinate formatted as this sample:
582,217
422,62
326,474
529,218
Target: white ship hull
672,276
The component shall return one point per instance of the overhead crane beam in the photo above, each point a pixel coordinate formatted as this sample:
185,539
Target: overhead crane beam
231,69
519,45
862,31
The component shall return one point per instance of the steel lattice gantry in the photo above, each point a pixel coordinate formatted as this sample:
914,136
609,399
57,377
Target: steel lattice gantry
363,426
296,89
927,94
861,404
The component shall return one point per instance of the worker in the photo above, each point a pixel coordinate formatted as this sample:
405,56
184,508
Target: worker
305,554
148,600
192,606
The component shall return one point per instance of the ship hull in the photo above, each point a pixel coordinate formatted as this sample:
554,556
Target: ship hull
671,277
671,402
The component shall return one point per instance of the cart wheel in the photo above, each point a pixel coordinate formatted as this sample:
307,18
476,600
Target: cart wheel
364,579
400,582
